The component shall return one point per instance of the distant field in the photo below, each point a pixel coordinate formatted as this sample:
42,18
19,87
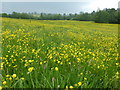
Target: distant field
59,54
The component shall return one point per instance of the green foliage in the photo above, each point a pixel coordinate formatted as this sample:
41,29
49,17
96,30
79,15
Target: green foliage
107,16
101,16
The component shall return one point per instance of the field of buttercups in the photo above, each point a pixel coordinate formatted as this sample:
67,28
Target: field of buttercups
58,54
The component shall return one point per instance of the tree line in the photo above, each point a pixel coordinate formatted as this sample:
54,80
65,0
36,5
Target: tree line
100,16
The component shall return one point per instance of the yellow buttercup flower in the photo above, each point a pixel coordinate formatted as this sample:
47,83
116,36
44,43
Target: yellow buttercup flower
117,73
0,87
23,56
14,75
30,69
33,50
71,86
81,73
10,78
85,78
117,77
75,84
40,62
56,68
61,63
78,59
23,78
117,64
6,55
7,75
12,56
66,87
4,82
30,61
79,83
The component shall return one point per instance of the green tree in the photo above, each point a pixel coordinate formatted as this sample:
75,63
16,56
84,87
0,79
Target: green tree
102,17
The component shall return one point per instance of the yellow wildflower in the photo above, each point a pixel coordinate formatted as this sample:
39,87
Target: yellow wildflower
14,75
33,50
71,86
117,77
56,68
75,84
79,83
0,87
4,82
30,69
7,75
117,64
31,61
81,73
10,78
40,62
66,87
22,78
117,73
85,78
78,59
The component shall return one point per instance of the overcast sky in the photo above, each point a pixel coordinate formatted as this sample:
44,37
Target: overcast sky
56,6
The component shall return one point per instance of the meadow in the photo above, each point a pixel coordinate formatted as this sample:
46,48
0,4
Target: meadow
58,54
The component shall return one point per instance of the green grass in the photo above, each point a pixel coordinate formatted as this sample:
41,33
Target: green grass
83,52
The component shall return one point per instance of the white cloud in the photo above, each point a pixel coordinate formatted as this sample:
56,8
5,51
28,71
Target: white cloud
104,4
